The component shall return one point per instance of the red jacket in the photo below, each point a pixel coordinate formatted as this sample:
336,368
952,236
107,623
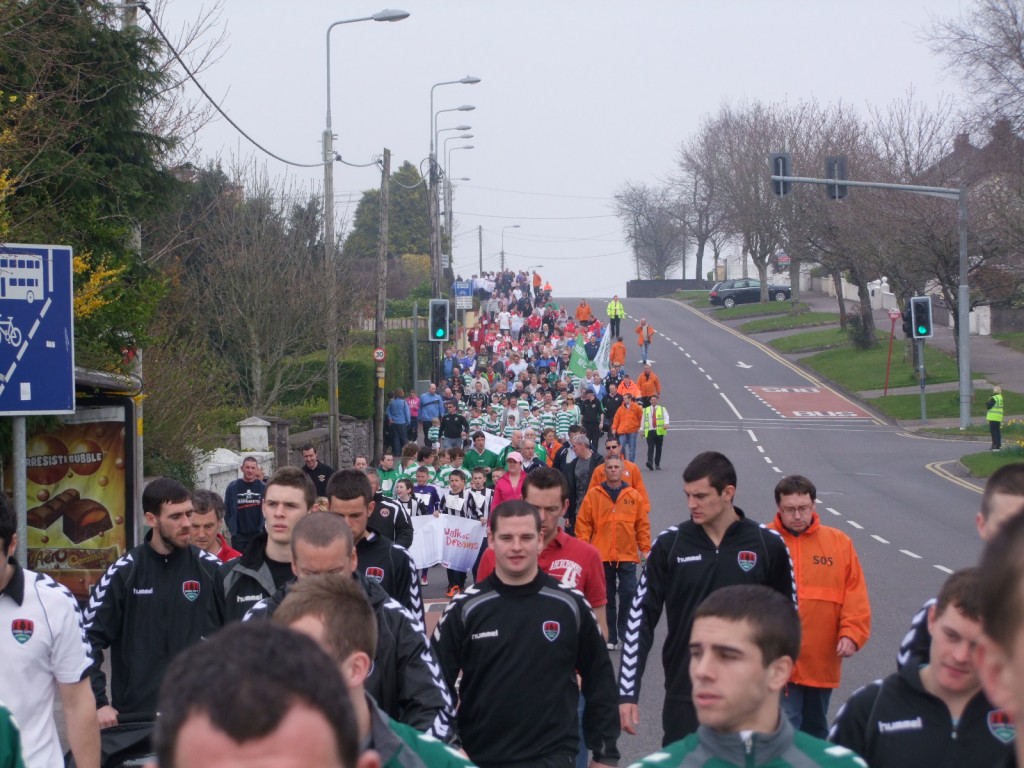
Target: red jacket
832,597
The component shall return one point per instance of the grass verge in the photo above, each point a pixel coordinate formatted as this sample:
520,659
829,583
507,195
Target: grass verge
860,369
812,341
757,310
1014,341
941,405
695,298
983,464
785,322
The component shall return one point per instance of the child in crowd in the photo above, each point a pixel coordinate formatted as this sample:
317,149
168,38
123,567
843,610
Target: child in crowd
456,502
434,433
428,502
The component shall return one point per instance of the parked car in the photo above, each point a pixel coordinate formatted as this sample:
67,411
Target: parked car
729,293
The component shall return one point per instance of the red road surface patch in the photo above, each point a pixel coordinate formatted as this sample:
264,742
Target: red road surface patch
808,402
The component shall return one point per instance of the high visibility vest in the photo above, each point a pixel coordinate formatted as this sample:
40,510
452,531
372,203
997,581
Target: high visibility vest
648,424
995,413
615,309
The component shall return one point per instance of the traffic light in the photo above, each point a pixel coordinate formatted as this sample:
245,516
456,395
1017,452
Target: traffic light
908,323
780,165
921,316
439,319
835,168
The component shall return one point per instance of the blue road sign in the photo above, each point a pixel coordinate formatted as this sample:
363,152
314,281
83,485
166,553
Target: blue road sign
37,343
462,288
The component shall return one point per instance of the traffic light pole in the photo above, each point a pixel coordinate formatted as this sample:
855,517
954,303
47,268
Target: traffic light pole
963,294
921,373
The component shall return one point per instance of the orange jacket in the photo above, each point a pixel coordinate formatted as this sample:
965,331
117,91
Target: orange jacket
631,475
536,280
584,312
832,599
552,451
617,354
620,529
649,384
628,389
627,420
640,333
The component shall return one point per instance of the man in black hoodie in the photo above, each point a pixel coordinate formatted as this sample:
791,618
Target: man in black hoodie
265,563
405,680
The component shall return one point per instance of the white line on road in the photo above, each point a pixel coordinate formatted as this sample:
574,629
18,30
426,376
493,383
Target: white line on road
731,405
944,569
834,512
908,553
760,448
715,385
708,376
777,470
767,459
752,435
686,353
876,537
700,369
853,524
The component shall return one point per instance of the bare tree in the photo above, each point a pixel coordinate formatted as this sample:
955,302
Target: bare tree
985,47
697,183
653,218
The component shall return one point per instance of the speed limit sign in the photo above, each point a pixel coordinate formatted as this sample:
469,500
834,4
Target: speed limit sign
378,354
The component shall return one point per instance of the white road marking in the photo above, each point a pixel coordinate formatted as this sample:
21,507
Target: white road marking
708,376
777,470
876,537
752,435
834,512
856,525
908,553
715,386
760,448
733,407
944,569
767,459
700,369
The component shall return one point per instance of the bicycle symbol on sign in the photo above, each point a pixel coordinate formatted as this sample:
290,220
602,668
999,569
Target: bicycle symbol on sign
10,332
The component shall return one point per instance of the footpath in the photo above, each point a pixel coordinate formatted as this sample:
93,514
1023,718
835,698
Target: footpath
992,363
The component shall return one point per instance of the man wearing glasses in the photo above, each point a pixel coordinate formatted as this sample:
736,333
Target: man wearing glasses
835,616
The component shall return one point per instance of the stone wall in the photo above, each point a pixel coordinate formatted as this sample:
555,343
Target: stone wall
652,289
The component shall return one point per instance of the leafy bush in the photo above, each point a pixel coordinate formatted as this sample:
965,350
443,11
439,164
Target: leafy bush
859,335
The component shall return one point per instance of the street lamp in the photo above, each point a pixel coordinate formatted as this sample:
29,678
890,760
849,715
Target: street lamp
332,309
509,226
448,189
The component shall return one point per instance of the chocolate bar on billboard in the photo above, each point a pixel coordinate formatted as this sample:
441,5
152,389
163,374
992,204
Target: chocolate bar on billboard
43,516
84,519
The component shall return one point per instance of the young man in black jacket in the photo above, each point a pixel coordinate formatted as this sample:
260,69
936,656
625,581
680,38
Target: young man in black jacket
519,637
160,598
935,714
379,559
265,565
405,680
717,547
388,517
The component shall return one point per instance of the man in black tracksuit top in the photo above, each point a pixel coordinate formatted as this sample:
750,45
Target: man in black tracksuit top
932,714
518,638
401,681
379,559
718,547
388,516
158,599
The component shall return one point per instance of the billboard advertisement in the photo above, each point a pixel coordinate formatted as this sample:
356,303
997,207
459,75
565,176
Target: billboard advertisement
79,483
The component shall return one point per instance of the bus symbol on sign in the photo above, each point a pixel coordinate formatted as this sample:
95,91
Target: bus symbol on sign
378,354
21,277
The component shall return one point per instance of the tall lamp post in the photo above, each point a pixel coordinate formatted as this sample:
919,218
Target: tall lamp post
448,190
509,226
332,308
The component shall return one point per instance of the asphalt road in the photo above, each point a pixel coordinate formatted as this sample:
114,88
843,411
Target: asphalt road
910,522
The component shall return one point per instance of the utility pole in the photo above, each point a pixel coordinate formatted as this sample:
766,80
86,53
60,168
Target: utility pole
480,243
435,257
382,298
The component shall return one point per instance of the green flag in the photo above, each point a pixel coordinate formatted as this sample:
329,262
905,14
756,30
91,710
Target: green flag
579,364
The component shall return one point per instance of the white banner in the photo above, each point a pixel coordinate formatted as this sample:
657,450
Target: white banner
463,538
495,444
603,364
452,541
428,536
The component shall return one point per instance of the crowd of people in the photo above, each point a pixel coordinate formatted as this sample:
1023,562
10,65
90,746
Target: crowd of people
284,623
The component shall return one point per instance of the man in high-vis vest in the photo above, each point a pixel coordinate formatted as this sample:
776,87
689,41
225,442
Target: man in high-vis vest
995,417
653,426
615,314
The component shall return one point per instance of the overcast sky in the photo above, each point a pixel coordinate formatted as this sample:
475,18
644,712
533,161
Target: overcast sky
576,99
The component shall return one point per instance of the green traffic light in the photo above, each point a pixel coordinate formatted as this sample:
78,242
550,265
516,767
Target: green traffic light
922,330
439,333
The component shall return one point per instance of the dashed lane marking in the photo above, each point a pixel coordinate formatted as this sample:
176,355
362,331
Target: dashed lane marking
733,407
876,537
768,460
943,568
752,435
854,524
834,512
908,553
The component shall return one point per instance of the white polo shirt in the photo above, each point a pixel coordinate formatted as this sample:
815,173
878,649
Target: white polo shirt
41,643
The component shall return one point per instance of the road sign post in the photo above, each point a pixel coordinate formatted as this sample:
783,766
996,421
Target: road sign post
37,349
894,315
